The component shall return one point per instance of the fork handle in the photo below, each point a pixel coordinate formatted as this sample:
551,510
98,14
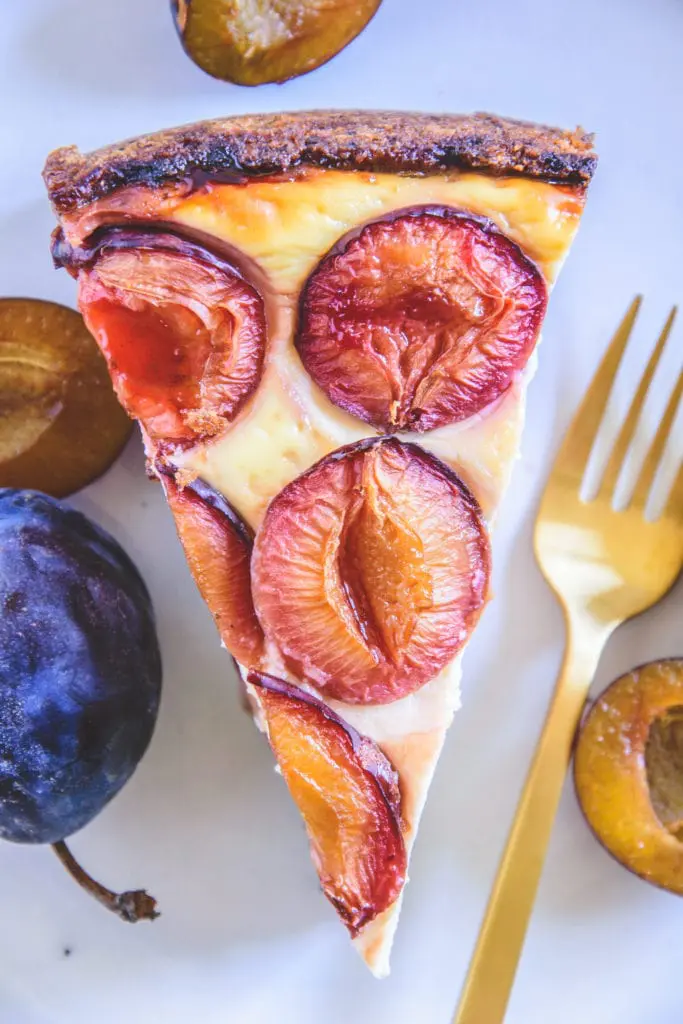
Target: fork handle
492,969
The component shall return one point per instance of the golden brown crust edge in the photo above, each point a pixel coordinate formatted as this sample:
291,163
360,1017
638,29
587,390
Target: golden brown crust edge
347,140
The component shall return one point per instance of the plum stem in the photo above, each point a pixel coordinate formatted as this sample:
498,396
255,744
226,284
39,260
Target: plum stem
136,905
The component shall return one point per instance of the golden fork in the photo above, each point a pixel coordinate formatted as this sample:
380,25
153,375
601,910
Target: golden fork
605,566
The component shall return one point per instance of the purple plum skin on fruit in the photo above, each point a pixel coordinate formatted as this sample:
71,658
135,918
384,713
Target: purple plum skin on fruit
80,668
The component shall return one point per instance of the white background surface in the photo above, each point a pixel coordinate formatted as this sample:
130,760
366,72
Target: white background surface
245,937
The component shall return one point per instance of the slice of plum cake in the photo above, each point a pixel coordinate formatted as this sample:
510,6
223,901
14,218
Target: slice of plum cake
325,324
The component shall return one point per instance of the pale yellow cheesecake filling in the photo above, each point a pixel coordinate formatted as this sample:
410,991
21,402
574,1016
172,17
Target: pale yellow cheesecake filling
286,226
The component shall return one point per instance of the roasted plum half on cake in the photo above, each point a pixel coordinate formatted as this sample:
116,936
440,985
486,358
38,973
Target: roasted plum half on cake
370,571
80,678
218,546
325,323
347,793
203,326
421,319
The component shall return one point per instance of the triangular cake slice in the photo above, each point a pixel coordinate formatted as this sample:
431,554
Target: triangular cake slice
325,323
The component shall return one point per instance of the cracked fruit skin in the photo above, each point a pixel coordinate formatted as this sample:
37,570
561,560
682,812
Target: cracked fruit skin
421,319
182,331
370,570
80,669
61,426
218,544
348,795
628,771
251,42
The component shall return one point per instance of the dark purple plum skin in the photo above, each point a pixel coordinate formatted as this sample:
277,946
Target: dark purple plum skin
80,668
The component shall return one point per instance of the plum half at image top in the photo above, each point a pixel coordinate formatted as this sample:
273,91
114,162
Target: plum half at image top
272,41
80,677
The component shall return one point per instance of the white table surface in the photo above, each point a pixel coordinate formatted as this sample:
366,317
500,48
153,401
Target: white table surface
245,937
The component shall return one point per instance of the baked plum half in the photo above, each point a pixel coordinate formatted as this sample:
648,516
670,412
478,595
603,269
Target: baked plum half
370,570
628,771
182,331
420,319
218,544
80,677
348,795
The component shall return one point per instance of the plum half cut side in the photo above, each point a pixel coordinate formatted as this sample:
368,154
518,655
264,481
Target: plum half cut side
61,426
421,319
183,332
628,771
370,570
348,795
270,41
218,545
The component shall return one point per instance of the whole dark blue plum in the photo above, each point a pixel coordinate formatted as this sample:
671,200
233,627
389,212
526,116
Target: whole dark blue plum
80,669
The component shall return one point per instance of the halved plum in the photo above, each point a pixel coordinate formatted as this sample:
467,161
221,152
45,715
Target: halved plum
218,544
348,795
61,426
370,570
251,42
182,331
420,319
628,771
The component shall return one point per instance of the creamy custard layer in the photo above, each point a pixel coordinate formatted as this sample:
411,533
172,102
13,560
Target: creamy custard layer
286,226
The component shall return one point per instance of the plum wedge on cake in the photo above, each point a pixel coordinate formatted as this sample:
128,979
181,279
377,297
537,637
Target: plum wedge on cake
325,323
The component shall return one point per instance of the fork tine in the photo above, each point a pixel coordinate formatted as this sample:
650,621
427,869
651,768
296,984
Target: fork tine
628,429
579,439
653,458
